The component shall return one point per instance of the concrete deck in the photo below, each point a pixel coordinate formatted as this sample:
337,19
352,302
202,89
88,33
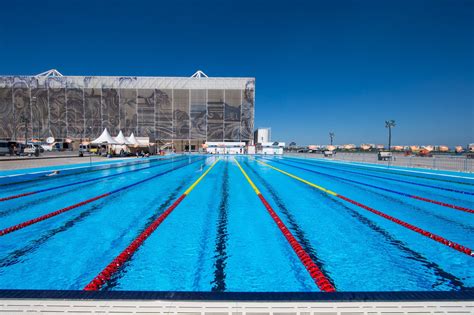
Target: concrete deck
47,306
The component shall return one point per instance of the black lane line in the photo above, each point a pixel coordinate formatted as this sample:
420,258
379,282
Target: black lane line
84,171
16,255
293,225
382,180
205,240
394,173
113,282
220,256
74,189
398,202
30,203
443,276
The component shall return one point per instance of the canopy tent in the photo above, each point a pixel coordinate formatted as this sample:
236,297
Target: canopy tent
104,138
121,139
133,140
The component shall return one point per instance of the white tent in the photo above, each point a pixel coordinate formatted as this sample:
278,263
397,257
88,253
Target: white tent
121,139
133,140
105,138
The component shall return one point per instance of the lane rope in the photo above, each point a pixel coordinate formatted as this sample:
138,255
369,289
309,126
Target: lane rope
77,169
318,164
126,254
399,170
440,203
316,274
435,237
88,180
74,206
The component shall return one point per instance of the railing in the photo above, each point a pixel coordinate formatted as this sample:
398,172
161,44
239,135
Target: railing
436,162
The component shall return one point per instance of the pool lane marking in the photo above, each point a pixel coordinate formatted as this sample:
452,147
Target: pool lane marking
441,275
435,237
391,170
126,254
77,205
316,274
220,250
116,164
440,203
87,180
292,222
297,160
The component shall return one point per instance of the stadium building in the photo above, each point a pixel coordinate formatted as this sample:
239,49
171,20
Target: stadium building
184,111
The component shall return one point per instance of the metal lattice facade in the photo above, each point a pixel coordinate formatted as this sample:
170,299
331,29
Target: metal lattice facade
162,108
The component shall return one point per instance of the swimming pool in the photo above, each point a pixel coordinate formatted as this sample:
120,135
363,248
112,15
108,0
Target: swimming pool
235,224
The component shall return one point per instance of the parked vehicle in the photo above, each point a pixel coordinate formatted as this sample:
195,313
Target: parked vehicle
83,148
328,153
31,149
4,147
47,147
385,156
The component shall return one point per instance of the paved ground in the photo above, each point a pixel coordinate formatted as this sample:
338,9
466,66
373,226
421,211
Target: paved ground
47,159
437,162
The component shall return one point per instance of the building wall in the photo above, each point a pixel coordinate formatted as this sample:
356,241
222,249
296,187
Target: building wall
181,110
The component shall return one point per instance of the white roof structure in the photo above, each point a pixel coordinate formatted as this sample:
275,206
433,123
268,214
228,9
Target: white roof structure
133,140
105,138
121,139
199,80
199,74
50,73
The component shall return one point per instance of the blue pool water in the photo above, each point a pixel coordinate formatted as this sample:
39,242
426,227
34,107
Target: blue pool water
222,238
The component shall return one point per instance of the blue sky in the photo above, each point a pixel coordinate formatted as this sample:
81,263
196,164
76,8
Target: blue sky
320,66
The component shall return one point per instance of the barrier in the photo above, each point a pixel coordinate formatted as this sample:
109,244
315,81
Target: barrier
318,164
126,254
85,181
316,274
57,212
437,238
440,203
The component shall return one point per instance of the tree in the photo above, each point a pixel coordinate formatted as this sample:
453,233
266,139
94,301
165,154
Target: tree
331,136
389,124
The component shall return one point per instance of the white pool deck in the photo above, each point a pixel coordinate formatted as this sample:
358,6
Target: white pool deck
56,306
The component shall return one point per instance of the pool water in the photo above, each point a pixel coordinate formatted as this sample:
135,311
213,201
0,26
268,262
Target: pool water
221,237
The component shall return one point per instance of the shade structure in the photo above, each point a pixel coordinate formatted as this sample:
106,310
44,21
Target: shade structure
105,138
121,139
133,140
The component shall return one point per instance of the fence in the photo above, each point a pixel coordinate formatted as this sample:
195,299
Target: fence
436,162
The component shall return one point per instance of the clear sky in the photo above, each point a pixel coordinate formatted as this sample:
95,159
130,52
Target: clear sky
320,66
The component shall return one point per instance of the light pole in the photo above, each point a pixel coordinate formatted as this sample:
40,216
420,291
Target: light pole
24,119
90,154
389,124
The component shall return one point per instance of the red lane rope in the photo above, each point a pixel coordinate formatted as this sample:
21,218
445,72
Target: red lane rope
125,255
55,213
318,276
17,196
448,205
439,239
440,203
93,179
49,215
